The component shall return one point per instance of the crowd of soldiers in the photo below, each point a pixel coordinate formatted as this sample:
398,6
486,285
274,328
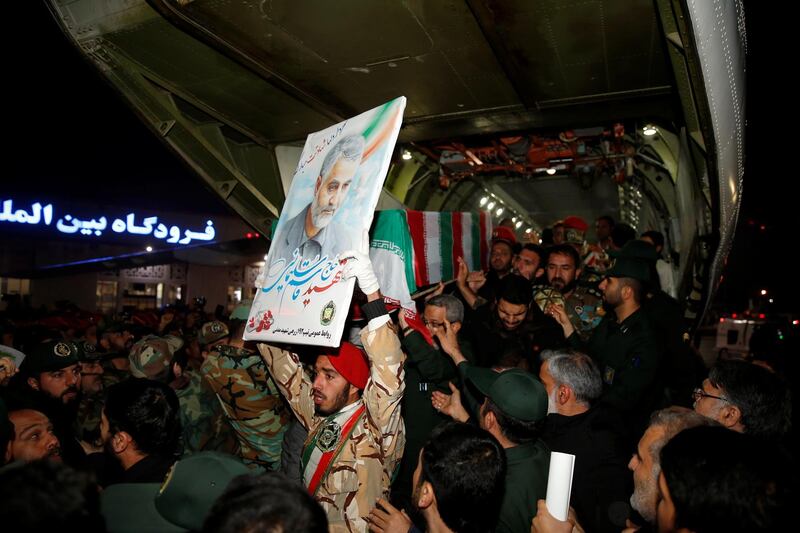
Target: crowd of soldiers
441,424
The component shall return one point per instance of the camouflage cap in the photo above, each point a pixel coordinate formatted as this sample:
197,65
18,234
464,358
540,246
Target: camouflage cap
150,357
49,356
212,332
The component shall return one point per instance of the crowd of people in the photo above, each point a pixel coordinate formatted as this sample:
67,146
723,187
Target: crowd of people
172,422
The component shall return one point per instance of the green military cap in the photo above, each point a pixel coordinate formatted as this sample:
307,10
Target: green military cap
180,503
636,249
131,508
212,332
150,357
634,260
50,356
192,486
517,393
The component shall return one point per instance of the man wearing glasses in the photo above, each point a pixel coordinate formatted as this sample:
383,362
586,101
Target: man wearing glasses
745,397
428,369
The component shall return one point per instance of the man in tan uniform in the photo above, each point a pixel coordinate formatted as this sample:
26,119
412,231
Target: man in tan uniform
351,408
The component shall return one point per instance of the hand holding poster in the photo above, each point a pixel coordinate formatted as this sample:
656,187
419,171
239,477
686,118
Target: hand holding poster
303,298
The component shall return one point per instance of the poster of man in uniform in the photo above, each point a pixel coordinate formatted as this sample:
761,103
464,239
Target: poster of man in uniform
302,298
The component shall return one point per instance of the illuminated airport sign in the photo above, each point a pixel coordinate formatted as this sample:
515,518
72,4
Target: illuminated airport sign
131,224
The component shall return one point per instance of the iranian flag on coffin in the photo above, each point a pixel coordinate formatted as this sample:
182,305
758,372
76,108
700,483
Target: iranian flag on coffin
440,238
411,249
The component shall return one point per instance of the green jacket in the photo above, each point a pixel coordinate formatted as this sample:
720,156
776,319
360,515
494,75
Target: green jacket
527,467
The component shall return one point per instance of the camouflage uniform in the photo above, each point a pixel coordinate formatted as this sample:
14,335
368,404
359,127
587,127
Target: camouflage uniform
113,375
362,471
251,402
202,421
87,421
584,306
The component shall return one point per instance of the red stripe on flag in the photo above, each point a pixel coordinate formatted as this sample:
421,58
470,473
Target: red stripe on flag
456,219
484,247
416,226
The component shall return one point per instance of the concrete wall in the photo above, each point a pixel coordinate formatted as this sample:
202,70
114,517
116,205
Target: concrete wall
80,289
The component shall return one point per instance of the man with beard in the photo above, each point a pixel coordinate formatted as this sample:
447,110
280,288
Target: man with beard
512,322
51,383
458,484
34,438
645,463
312,232
114,340
582,304
428,369
140,428
575,425
87,422
624,344
513,411
530,261
479,287
351,408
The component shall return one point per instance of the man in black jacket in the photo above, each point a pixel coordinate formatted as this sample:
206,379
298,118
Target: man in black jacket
595,435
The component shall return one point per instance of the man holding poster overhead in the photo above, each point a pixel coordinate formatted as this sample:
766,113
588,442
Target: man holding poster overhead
303,299
351,408
312,231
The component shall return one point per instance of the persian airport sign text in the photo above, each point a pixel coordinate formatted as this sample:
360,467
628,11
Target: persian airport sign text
43,215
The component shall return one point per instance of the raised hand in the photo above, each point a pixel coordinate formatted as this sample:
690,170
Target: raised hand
560,314
450,404
385,518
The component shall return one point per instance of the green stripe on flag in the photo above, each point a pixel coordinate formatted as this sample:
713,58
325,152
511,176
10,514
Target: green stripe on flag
476,241
379,117
390,231
446,238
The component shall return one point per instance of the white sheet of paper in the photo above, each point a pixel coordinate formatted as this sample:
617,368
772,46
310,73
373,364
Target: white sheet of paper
559,484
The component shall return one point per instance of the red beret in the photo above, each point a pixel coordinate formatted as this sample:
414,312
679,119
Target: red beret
504,234
576,222
351,363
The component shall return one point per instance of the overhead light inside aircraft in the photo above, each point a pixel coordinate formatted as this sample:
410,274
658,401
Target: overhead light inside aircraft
518,224
649,130
529,230
551,171
499,211
406,155
484,200
513,219
148,249
491,204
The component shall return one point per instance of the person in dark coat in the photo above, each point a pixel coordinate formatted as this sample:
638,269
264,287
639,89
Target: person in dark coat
140,427
594,434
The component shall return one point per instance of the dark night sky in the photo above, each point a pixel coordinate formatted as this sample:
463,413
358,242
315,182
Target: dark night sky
72,136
